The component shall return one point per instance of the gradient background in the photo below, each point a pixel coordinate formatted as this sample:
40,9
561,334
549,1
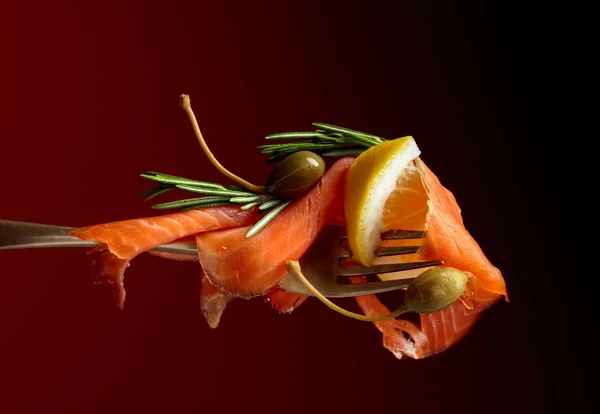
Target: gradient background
89,100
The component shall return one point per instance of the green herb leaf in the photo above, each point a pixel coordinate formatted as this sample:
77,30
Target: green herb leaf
200,201
328,140
209,191
155,192
213,204
270,204
347,152
249,205
248,199
260,224
361,136
170,179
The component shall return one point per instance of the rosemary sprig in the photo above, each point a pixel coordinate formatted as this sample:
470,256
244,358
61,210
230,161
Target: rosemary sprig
214,195
328,141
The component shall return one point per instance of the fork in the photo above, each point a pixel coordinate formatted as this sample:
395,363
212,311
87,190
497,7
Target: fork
325,265
24,235
322,264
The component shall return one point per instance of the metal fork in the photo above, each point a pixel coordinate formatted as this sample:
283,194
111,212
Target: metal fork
325,265
23,235
320,264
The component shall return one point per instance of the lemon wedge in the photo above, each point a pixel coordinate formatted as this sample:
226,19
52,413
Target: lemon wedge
369,182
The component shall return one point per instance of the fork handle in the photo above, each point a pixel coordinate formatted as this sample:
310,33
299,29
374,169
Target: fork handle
23,235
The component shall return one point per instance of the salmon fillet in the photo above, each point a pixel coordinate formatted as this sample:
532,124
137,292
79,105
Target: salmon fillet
250,267
128,238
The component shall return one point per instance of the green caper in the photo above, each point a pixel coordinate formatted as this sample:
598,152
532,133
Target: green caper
296,174
435,289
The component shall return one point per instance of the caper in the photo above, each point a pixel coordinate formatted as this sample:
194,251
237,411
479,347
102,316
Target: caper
435,289
296,174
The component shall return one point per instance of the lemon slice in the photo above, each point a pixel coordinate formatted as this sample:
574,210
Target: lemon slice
369,182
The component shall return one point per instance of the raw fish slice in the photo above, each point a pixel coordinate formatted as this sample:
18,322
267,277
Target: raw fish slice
249,267
212,301
282,301
128,238
108,269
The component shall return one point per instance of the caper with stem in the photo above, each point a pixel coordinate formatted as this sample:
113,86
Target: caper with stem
296,174
433,290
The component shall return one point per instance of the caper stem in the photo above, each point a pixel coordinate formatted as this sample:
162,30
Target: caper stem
184,103
293,266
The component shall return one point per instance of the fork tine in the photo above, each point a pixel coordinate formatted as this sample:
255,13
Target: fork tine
344,252
393,251
384,268
397,235
382,251
361,289
402,234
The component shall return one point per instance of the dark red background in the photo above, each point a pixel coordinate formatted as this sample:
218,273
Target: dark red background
89,101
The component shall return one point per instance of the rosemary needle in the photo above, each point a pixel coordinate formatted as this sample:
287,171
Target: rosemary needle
155,192
270,204
171,179
198,202
247,199
203,190
249,205
266,219
360,136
